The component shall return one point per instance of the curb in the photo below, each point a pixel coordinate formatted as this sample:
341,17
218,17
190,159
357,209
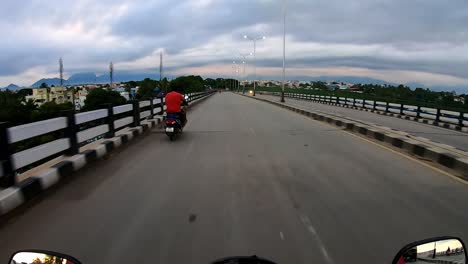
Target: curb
437,155
406,117
26,190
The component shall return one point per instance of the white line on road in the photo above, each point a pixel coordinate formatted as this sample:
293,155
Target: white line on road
306,221
281,236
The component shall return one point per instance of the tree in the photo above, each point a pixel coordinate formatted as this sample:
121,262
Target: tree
13,110
147,89
210,82
99,97
129,85
50,110
23,93
189,84
44,85
319,85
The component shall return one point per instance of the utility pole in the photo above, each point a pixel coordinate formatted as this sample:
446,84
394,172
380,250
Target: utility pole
61,71
284,51
161,72
111,74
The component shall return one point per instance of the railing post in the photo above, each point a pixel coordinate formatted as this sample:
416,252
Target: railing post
162,106
70,132
386,107
438,115
418,112
337,100
460,120
375,105
8,176
110,121
354,102
364,103
151,107
346,100
136,113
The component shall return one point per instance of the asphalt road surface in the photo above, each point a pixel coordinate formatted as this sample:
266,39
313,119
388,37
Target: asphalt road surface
245,178
437,134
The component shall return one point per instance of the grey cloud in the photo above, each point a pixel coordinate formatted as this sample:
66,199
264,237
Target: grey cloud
145,26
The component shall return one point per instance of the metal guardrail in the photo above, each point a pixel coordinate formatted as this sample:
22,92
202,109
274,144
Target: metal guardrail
436,114
72,131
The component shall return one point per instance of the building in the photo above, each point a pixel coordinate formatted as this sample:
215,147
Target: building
60,95
123,93
80,97
39,96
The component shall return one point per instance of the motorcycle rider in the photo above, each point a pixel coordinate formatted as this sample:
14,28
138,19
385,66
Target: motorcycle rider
174,102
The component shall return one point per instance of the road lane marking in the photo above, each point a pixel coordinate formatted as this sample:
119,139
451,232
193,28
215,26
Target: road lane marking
306,221
404,155
281,235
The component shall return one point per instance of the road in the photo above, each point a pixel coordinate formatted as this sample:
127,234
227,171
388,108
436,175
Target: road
436,134
246,178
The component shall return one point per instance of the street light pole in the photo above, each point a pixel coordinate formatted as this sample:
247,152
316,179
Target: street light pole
255,59
243,75
255,68
284,52
244,56
237,75
234,66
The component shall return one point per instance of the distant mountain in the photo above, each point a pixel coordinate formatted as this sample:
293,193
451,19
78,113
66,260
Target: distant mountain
48,81
81,78
352,79
11,87
90,78
349,79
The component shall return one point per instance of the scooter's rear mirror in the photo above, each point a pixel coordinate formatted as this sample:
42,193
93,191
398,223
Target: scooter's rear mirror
434,250
41,257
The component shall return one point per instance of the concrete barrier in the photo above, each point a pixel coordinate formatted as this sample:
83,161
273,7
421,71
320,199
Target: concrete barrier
426,117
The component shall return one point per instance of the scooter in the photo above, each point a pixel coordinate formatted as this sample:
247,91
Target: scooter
173,125
444,250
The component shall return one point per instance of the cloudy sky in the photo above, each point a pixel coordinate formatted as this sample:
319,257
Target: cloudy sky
399,41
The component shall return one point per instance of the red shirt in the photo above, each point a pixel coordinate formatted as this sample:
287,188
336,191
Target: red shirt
173,102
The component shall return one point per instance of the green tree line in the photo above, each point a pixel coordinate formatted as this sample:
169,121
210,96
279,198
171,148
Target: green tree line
389,93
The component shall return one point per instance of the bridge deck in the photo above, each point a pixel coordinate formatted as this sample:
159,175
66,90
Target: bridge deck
245,178
436,134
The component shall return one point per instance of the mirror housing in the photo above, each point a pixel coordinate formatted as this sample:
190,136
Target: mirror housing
35,256
433,250
243,260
